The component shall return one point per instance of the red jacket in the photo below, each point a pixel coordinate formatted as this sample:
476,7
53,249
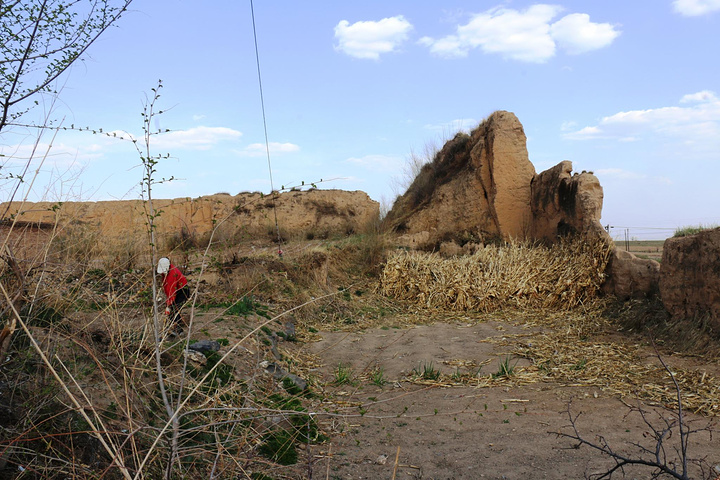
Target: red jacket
173,281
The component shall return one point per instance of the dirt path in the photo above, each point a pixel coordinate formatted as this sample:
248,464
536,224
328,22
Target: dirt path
465,432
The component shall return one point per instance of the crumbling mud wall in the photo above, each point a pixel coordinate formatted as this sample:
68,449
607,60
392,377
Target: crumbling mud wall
300,214
690,279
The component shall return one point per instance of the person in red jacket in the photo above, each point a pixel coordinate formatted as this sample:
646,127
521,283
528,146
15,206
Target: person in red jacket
176,290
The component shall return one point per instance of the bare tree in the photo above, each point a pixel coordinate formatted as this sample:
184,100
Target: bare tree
41,39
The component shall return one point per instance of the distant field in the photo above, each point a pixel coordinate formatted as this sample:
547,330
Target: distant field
651,249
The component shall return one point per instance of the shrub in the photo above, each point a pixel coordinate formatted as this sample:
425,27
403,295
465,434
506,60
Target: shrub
693,229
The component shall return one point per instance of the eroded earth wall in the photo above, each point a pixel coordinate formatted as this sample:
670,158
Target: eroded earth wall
306,214
690,278
483,185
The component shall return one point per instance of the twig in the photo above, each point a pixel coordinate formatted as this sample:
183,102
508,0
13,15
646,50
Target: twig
395,467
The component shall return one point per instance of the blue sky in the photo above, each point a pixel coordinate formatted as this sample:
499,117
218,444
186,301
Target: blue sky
628,90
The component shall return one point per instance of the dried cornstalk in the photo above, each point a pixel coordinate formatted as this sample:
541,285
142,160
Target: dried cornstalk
518,274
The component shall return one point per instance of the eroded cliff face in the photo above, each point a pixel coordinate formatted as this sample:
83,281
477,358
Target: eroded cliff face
483,185
305,214
690,278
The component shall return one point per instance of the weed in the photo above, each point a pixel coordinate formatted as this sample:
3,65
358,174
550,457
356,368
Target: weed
377,377
111,411
427,371
291,387
505,369
279,447
343,375
580,365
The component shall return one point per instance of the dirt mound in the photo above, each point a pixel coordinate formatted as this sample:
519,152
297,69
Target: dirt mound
483,185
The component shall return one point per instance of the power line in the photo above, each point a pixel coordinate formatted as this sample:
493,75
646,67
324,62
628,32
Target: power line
643,228
267,142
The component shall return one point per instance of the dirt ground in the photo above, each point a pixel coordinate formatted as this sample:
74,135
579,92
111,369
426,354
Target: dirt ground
407,430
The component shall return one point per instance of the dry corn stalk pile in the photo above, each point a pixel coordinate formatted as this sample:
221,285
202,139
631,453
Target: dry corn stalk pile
517,274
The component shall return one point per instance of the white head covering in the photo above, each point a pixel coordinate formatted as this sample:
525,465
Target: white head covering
163,265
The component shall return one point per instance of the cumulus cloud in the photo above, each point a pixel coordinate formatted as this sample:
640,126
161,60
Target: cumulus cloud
528,35
197,138
259,149
370,39
576,34
693,8
695,125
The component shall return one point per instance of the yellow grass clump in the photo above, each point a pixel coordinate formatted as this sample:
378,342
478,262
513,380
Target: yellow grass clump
518,274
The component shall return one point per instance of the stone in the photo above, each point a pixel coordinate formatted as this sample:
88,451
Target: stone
690,278
290,332
196,358
280,374
205,346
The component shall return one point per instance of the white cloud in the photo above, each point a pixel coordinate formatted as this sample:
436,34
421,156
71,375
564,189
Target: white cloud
196,138
692,8
585,133
378,163
198,117
704,96
369,39
576,34
695,126
259,149
526,35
